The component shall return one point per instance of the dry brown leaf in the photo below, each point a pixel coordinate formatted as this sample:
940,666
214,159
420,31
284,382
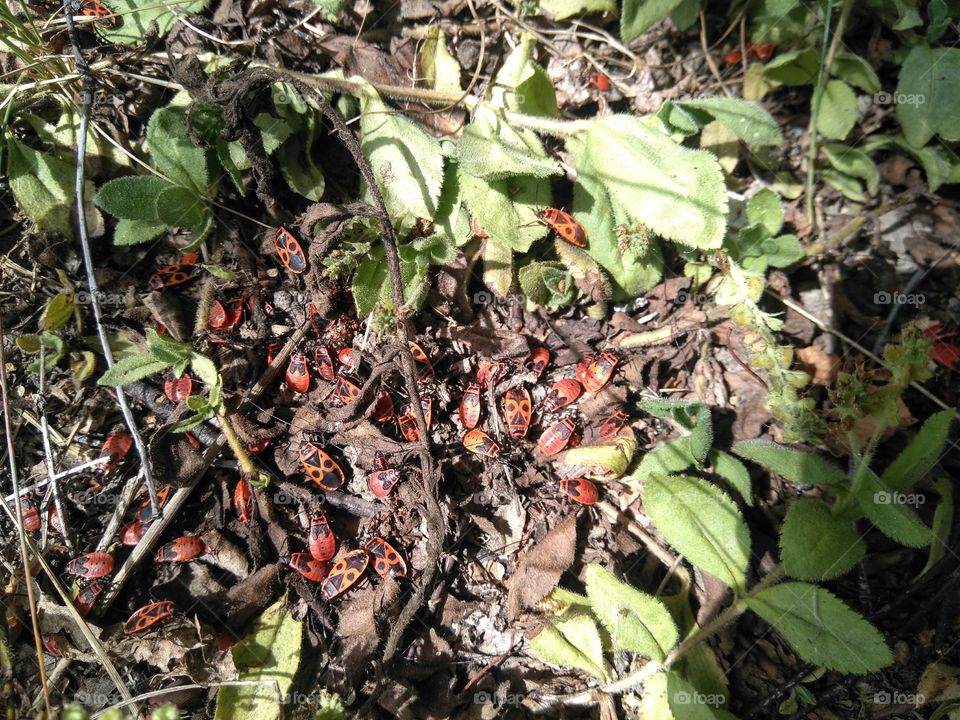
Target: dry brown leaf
822,367
541,566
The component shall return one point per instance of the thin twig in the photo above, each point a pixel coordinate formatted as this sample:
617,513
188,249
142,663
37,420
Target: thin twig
87,95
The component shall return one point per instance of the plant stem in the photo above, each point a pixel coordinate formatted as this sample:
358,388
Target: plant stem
827,52
549,126
243,457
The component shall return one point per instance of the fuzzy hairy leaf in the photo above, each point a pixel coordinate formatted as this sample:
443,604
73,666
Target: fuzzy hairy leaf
573,641
815,544
888,510
507,209
701,522
636,621
921,455
437,66
133,197
140,15
796,466
856,71
854,162
173,152
682,195
562,9
179,206
490,148
942,522
407,163
821,628
132,368
667,696
42,186
733,471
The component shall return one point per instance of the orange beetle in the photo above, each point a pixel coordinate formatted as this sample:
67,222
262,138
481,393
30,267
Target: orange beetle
565,225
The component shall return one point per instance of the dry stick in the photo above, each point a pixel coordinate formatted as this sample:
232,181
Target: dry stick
48,457
87,83
144,548
18,521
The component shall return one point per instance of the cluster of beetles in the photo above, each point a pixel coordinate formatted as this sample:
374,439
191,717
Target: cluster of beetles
518,411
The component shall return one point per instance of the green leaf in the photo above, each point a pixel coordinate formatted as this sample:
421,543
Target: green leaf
205,369
139,15
166,349
733,472
692,416
798,67
267,658
682,196
856,71
671,457
667,696
43,187
573,641
452,217
636,621
218,271
29,343
796,466
888,510
173,152
541,283
58,311
523,86
133,232
928,95
815,544
370,277
843,183
821,628
507,209
921,455
765,208
942,523
907,15
622,247
82,365
939,19
854,162
702,523
638,15
748,121
274,131
437,66
406,162
490,148
55,348
331,9
939,163
180,206
298,169
132,368
133,197
838,110
498,268
563,9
